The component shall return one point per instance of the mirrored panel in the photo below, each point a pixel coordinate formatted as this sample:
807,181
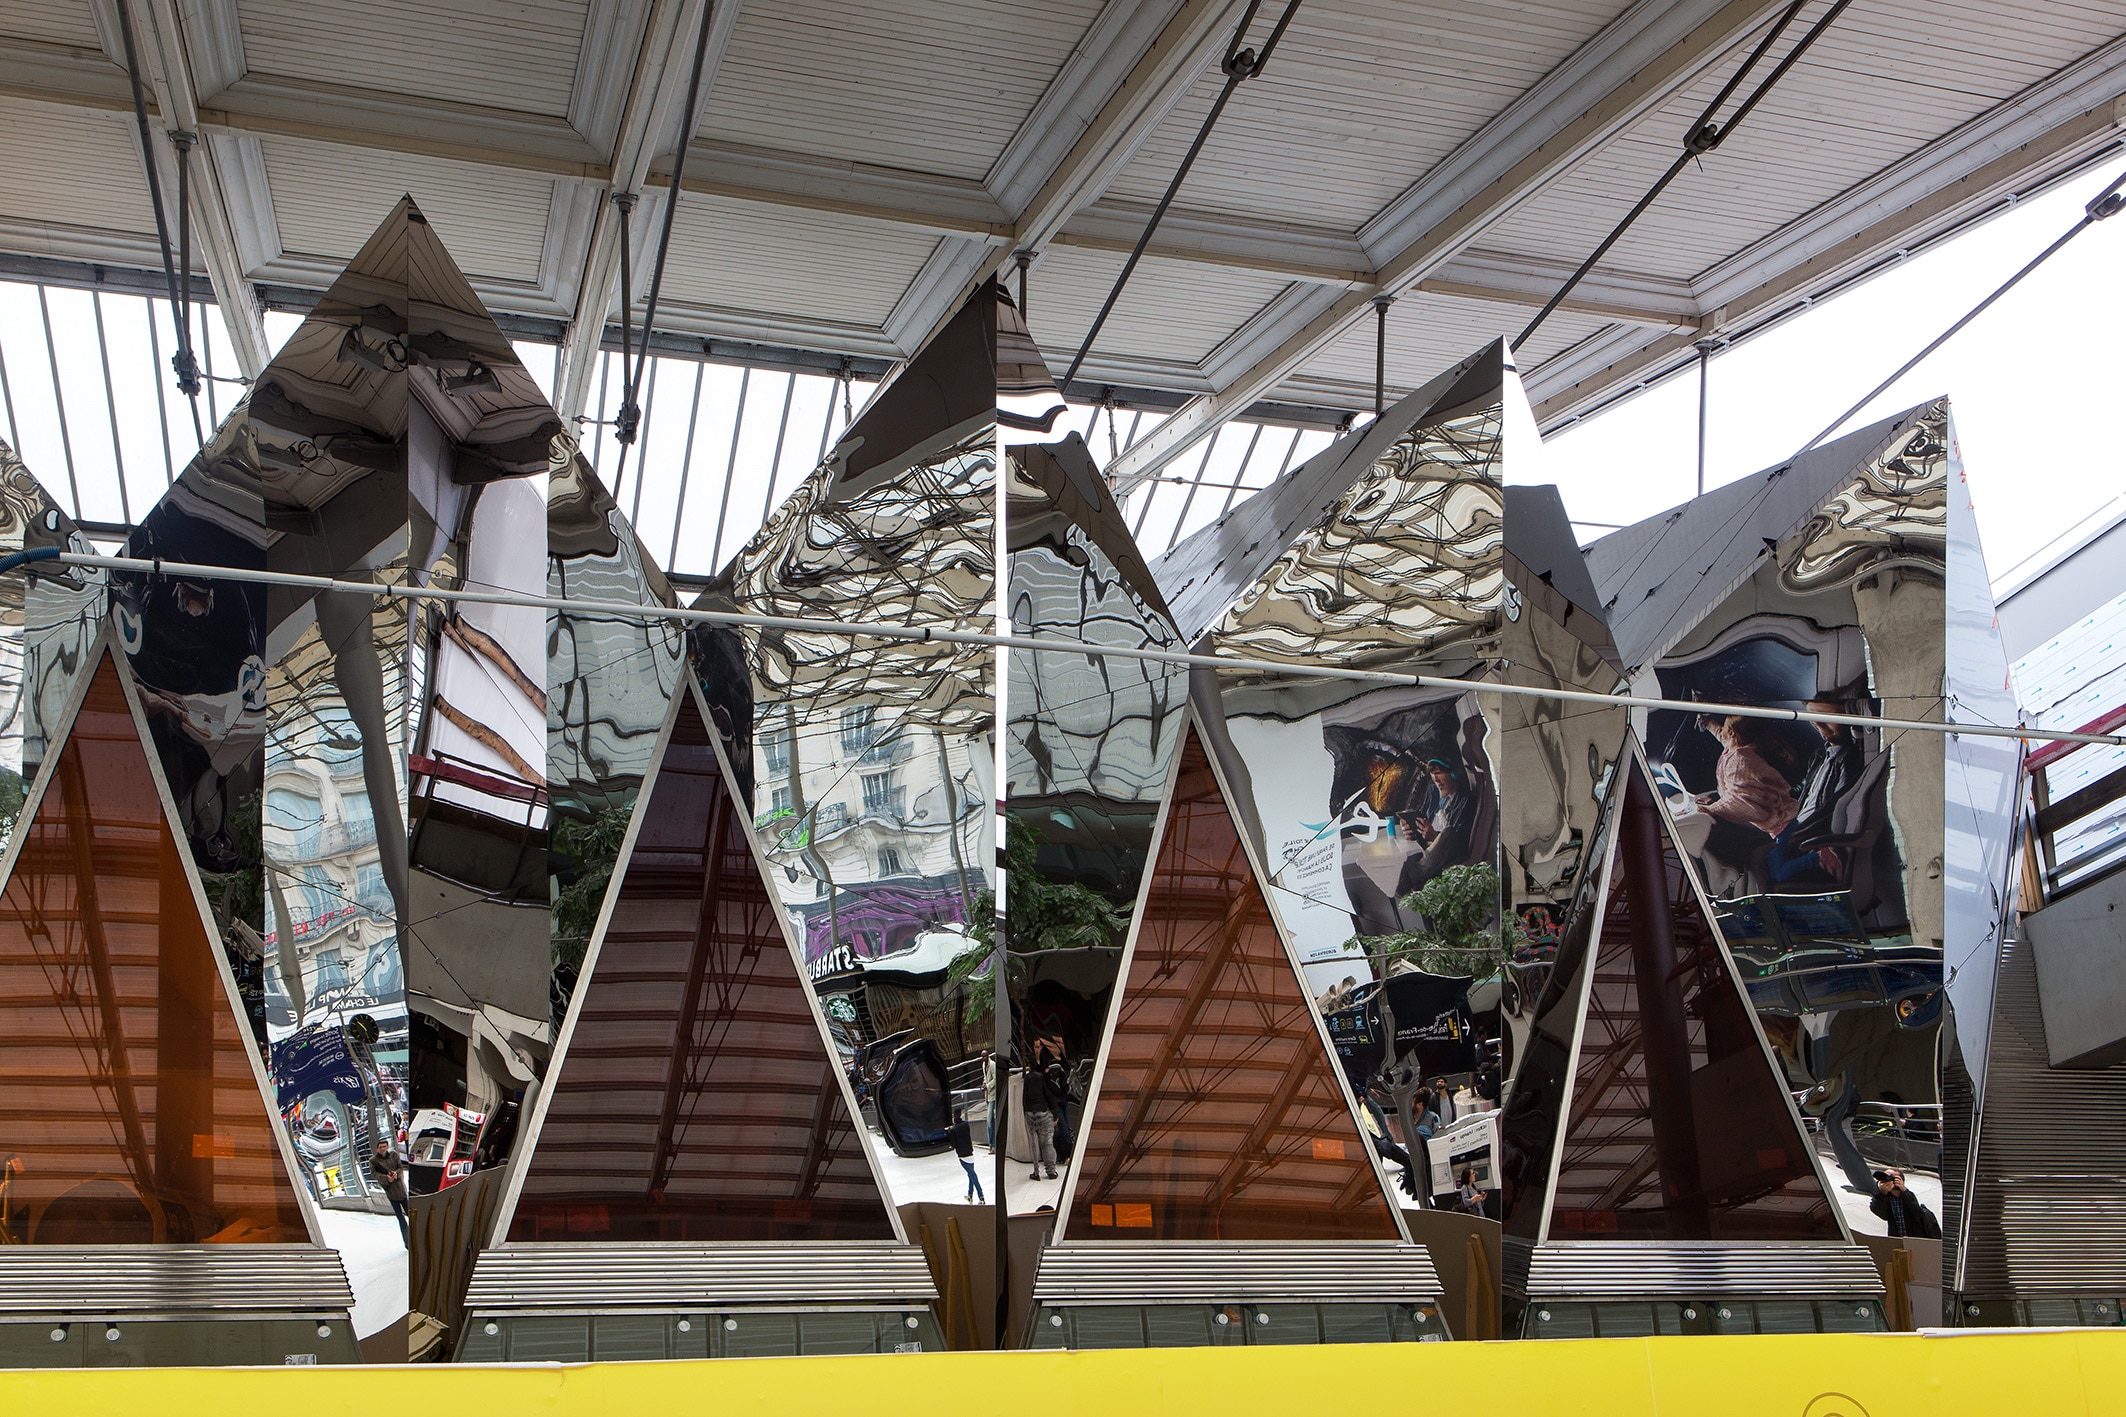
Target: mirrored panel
1647,1106
1087,754
697,1098
1217,1114
132,1113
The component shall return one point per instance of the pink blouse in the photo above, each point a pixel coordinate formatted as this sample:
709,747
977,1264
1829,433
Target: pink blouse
1751,792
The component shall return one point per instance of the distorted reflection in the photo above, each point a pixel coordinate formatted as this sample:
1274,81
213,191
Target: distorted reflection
1218,1115
130,1111
697,1099
1660,1116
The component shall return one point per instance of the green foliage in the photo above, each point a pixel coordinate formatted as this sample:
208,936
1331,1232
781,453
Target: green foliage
10,803
1464,930
240,894
1039,914
596,846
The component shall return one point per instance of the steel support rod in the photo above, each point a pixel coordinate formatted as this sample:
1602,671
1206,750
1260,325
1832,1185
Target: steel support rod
1041,644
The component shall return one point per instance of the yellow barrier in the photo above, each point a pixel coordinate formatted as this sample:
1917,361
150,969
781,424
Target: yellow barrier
2058,1374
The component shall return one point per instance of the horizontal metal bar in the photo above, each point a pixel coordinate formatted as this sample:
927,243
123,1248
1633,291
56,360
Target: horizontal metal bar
1048,644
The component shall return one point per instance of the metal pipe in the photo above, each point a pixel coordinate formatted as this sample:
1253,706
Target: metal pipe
1055,644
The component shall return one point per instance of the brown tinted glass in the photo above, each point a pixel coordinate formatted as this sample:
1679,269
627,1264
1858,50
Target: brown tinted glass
129,1113
1678,1127
1219,1115
696,1099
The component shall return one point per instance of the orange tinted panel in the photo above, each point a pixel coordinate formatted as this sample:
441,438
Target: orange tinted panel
1218,1090
129,1113
1678,1127
697,1099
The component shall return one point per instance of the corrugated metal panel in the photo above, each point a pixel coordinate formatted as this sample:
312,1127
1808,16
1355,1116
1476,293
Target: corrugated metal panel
518,55
328,199
1362,99
1641,1269
1176,311
1889,77
145,1279
674,1275
1428,333
815,265
1208,1272
2047,1210
71,167
928,85
52,24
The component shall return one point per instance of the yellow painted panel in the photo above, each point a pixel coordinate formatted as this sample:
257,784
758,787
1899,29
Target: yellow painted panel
2065,1374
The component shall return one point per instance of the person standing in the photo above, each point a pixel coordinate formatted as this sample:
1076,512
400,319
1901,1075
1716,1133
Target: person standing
963,1148
990,1098
1898,1208
1037,1096
384,1165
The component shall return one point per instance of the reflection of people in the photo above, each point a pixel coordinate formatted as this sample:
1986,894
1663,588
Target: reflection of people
1749,791
1037,1096
1472,1198
1442,1100
1831,773
384,1165
963,1148
1898,1208
1442,824
990,1095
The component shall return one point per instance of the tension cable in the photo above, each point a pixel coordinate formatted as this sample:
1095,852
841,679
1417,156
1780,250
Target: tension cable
633,363
2104,204
180,285
1239,65
1703,137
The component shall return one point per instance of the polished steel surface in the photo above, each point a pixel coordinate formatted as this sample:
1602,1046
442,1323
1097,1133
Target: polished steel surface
1210,1272
233,1281
549,1278
1619,1269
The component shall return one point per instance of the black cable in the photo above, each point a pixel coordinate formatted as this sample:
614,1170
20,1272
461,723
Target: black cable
187,369
1702,137
629,416
1380,353
2106,203
631,383
1239,65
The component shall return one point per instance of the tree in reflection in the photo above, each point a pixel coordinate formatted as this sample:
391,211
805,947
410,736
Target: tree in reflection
1464,932
1039,914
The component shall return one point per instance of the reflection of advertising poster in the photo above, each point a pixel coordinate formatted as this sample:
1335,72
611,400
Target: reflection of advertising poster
1790,826
1773,807
1364,803
1433,1026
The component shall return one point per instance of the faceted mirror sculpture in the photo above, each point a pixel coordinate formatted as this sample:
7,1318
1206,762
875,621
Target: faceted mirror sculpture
1217,1113
130,1110
1648,1107
697,1098
1826,584
1088,746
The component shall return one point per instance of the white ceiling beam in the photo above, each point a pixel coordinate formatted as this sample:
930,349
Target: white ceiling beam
1134,66
1964,177
1633,66
650,124
175,81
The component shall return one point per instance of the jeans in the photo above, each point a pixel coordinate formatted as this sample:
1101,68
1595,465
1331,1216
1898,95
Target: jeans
1041,1131
974,1181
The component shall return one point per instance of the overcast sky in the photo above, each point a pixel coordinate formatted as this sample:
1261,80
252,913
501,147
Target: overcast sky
2035,384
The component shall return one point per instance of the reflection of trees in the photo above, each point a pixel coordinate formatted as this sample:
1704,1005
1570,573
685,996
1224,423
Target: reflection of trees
585,852
1464,931
1039,914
